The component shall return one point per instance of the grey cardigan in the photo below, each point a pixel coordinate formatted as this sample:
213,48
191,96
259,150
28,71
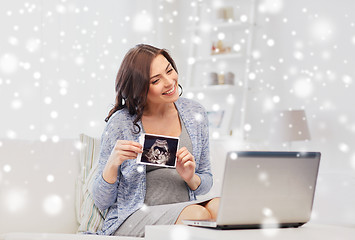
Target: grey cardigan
127,194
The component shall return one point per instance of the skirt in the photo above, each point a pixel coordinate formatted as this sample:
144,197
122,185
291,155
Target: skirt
167,214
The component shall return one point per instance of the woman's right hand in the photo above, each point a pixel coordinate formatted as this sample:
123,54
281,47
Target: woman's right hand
122,151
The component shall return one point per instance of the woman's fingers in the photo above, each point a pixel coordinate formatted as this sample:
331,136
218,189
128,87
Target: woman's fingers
181,151
131,146
124,150
128,146
128,154
184,156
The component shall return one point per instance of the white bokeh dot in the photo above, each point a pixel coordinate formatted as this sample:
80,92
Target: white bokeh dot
247,127
11,134
198,117
237,47
140,168
47,100
267,212
233,156
321,29
92,124
200,96
190,95
15,199
63,91
251,76
32,45
243,18
303,88
270,42
343,147
26,66
276,99
298,55
144,208
263,176
216,135
53,204
143,22
256,54
179,232
230,99
347,80
8,63
191,60
16,104
221,36
50,178
270,227
270,6
43,138
216,107
13,41
55,139
7,168
54,114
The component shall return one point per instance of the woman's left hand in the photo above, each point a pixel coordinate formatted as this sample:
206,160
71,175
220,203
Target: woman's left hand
185,166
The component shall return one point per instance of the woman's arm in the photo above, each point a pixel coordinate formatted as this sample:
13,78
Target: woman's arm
113,152
203,165
104,193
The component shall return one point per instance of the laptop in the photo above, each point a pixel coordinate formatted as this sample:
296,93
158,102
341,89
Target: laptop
266,189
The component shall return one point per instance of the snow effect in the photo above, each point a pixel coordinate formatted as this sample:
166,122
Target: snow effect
8,63
52,204
58,64
180,233
15,199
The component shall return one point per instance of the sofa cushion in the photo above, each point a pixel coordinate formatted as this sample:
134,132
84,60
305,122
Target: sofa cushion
89,217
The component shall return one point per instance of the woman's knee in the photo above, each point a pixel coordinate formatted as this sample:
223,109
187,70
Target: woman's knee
199,212
213,206
194,212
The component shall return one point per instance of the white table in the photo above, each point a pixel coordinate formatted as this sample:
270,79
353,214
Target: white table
60,236
306,232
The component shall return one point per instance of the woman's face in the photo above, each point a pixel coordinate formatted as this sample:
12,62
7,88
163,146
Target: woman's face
163,86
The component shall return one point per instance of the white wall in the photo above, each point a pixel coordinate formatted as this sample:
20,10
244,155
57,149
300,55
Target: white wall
309,66
59,59
306,60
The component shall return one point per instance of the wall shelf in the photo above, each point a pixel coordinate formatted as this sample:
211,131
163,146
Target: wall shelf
234,37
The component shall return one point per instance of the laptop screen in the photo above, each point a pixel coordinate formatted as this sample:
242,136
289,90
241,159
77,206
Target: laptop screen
268,187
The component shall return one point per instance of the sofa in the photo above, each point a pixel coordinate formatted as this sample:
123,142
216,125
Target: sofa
45,189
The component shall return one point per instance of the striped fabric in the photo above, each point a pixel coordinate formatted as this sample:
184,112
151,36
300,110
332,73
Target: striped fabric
89,217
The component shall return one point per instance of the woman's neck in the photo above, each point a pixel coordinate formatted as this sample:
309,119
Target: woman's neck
159,110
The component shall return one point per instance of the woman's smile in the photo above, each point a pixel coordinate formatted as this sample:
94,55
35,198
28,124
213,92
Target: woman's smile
171,91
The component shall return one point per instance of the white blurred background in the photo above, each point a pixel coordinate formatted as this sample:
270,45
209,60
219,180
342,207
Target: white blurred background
59,59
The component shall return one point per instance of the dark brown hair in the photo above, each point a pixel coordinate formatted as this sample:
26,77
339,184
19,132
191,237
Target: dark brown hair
133,80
